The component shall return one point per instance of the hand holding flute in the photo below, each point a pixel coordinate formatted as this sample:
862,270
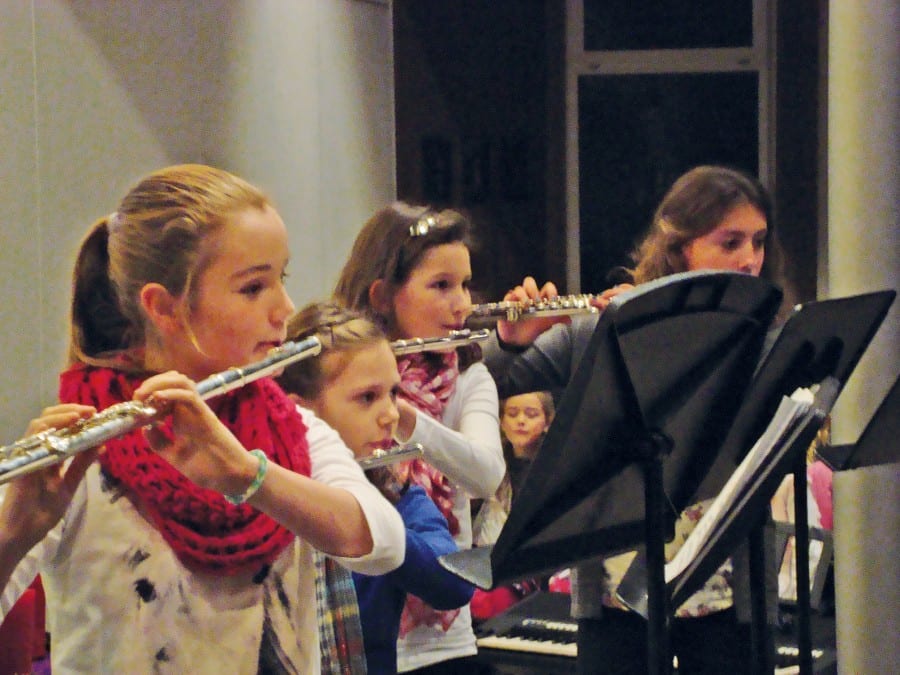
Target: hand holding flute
201,446
32,505
205,451
524,332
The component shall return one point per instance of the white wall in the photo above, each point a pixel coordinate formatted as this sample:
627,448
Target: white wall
21,331
863,248
296,96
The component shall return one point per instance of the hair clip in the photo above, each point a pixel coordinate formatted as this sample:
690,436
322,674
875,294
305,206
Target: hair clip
423,225
113,221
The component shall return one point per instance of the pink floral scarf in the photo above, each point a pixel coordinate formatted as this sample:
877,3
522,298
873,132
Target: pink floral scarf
427,383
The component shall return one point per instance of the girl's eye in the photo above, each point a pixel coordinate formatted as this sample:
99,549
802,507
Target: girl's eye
531,413
442,285
284,276
395,392
252,288
511,412
368,397
759,242
731,244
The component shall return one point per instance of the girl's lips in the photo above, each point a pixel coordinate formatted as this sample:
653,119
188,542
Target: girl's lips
269,346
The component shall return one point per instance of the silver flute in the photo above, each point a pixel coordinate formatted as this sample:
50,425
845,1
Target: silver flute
56,445
516,311
456,338
396,453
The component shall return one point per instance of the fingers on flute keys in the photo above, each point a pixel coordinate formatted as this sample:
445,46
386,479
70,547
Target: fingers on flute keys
523,333
528,291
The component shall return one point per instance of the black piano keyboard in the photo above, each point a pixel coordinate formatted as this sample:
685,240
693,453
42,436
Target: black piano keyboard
539,624
536,636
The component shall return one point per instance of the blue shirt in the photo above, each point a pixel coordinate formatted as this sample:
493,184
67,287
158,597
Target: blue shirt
381,598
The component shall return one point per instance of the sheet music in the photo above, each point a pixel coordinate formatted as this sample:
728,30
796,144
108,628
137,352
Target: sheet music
790,411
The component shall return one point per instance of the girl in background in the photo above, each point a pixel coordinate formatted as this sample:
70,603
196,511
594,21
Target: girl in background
410,271
190,545
353,386
524,420
711,218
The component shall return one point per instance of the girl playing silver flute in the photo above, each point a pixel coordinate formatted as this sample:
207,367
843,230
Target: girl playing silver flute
410,270
189,546
715,218
354,388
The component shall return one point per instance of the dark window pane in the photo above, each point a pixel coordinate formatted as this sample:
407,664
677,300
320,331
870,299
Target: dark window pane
667,24
637,134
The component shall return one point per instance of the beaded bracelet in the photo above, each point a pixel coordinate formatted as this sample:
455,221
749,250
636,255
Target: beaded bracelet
257,481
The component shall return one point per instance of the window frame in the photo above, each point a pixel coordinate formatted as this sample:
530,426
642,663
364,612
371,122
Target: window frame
759,58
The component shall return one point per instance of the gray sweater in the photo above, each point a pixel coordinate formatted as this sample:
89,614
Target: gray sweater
547,364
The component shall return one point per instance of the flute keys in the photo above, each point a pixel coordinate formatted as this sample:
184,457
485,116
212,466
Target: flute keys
516,311
454,339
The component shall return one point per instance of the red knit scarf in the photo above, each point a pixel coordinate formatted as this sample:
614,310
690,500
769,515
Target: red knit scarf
206,532
427,381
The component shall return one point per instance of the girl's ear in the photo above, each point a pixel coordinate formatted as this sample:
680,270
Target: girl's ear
299,400
308,403
161,307
379,297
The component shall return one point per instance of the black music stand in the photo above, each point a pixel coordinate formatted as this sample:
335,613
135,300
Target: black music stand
649,405
879,442
819,346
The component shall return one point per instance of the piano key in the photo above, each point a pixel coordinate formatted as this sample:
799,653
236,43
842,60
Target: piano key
523,645
787,659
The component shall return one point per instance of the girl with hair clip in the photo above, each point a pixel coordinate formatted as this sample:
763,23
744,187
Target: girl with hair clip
181,549
353,386
410,270
711,218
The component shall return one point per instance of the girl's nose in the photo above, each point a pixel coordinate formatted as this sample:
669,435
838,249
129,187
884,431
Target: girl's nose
750,259
390,415
756,263
284,308
462,302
